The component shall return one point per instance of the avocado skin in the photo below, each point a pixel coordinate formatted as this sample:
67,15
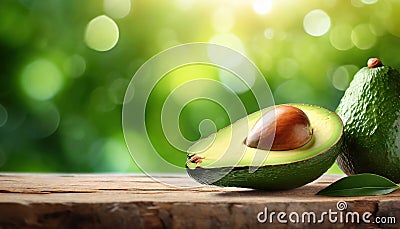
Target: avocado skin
370,111
270,177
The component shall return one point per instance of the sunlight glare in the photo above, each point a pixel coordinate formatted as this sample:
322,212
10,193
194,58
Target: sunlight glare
262,6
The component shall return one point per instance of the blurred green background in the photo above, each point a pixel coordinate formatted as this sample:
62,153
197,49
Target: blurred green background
65,66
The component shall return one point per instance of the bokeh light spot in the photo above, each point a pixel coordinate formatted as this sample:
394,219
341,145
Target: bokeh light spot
340,37
223,20
117,155
362,37
75,66
183,75
340,78
167,38
75,127
288,92
111,155
3,115
101,101
269,33
117,8
117,89
342,75
262,6
41,79
236,84
369,2
317,23
288,67
102,33
231,41
184,4
49,120
357,3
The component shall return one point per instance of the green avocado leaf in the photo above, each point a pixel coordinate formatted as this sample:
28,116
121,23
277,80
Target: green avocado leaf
366,184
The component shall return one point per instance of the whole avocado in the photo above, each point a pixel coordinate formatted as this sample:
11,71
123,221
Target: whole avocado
370,111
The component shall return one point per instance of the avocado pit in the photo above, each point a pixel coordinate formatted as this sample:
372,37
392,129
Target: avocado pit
282,128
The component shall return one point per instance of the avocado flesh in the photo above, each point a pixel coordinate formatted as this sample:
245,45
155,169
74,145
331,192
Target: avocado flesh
228,157
370,110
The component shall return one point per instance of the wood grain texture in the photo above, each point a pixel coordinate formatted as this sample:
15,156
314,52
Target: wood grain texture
137,201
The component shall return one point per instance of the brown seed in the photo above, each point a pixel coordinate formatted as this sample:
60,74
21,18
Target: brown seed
374,63
282,128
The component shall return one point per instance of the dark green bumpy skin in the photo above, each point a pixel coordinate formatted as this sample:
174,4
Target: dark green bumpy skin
270,177
370,111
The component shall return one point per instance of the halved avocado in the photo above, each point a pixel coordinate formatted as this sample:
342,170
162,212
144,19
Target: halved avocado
223,159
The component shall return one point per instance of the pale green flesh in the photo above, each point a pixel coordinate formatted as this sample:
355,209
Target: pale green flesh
228,149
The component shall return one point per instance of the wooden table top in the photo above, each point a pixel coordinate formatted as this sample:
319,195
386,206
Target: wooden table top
138,201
